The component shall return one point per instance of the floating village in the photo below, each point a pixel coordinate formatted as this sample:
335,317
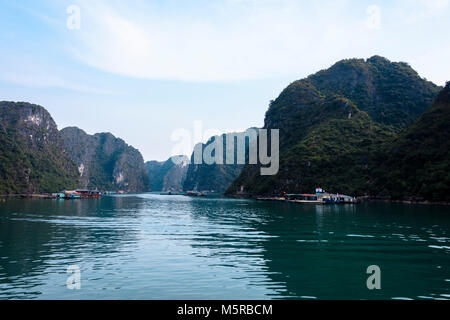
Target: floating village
320,197
73,194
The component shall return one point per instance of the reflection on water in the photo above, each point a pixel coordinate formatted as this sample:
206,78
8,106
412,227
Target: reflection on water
173,247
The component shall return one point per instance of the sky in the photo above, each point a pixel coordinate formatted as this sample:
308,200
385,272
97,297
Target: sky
147,70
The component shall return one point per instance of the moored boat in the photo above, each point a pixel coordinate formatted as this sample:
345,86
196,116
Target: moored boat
320,197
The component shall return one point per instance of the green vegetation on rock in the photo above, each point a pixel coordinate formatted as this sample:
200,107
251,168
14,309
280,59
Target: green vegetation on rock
32,156
105,162
417,164
335,125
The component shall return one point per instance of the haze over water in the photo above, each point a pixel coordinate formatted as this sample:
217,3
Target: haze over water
151,246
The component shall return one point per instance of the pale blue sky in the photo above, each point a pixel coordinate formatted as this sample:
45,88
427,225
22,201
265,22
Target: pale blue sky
143,69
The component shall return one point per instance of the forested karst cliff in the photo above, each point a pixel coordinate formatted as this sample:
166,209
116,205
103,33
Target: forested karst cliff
105,162
334,125
32,154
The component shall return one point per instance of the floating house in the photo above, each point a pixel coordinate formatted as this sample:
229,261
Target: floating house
320,197
71,194
333,198
78,194
84,193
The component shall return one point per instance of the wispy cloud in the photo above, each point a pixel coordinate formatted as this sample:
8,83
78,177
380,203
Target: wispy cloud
230,40
29,71
43,80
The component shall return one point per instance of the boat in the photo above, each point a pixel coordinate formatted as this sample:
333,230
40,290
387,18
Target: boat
85,193
320,197
70,195
303,198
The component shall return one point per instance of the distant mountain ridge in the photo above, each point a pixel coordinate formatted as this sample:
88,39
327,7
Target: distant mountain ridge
216,177
105,162
167,175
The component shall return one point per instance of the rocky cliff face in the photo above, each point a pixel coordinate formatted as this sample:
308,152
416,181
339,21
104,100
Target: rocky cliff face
32,154
333,125
167,175
105,162
218,177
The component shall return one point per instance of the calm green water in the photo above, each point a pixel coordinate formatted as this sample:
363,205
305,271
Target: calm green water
174,247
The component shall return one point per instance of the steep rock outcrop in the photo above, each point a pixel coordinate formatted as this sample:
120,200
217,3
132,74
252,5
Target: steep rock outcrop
168,175
32,154
105,162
